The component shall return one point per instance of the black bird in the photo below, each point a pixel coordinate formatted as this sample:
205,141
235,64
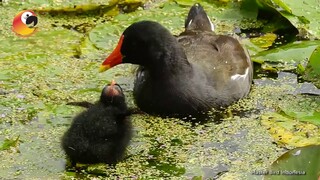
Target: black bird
184,75
101,133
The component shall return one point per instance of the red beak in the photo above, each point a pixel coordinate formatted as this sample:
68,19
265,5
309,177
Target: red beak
111,91
114,58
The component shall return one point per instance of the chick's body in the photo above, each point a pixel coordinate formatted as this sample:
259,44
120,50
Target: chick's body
101,133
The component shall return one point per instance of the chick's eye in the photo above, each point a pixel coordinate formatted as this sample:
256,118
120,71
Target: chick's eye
24,17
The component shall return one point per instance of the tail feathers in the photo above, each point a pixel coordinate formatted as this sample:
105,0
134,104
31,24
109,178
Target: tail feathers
198,19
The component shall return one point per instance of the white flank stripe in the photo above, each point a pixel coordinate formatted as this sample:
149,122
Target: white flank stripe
212,26
239,76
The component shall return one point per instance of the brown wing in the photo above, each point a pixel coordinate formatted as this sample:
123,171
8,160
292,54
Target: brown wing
221,57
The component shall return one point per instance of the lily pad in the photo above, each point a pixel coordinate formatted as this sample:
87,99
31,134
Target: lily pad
312,71
271,20
264,41
304,15
172,16
310,116
105,36
55,4
287,57
288,131
298,163
41,73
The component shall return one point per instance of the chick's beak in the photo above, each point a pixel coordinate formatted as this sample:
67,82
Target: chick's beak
114,58
113,82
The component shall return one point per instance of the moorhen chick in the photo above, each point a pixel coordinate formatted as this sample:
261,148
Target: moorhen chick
101,133
184,75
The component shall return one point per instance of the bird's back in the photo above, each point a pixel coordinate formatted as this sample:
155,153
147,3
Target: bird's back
226,64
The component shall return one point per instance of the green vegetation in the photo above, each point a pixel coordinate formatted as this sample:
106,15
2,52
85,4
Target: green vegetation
59,64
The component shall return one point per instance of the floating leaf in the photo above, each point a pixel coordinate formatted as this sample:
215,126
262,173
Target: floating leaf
311,116
79,8
249,8
312,72
298,163
291,54
77,5
304,15
282,5
264,41
288,131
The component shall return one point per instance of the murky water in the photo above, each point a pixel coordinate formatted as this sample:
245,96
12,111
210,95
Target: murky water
40,74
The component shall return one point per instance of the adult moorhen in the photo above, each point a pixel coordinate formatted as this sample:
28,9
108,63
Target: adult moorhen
101,133
183,75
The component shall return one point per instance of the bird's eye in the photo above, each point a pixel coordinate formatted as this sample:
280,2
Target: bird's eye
24,17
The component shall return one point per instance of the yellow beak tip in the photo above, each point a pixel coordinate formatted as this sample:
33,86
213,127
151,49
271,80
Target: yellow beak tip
104,68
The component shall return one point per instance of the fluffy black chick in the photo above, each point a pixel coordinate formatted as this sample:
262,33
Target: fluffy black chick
101,133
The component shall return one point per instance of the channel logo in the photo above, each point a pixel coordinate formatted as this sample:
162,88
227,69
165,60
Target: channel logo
24,23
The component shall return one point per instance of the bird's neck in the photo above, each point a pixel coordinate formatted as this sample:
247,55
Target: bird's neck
170,61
